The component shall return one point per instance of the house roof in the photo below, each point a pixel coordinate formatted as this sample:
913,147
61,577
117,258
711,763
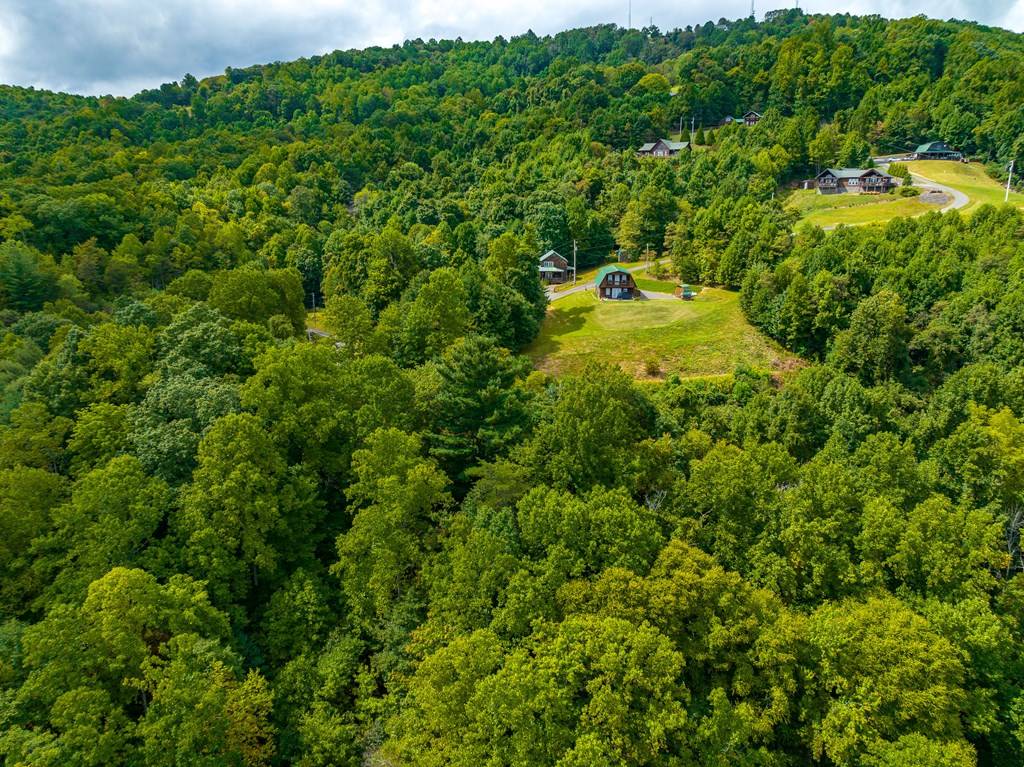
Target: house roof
675,146
934,146
752,112
550,269
851,172
551,253
606,270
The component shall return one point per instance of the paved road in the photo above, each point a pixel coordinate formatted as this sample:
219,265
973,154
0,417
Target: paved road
553,296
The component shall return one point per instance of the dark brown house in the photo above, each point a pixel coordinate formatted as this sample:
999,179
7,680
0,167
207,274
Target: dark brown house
616,283
554,267
853,181
751,118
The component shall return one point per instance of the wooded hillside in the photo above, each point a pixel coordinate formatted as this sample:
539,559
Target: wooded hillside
225,542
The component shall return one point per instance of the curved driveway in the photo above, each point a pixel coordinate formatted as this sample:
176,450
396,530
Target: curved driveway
960,200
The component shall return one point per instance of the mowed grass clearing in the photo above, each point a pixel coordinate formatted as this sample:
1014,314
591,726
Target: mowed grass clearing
969,178
705,337
853,209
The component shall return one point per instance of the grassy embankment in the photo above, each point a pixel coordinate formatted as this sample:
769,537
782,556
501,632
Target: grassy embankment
853,209
969,178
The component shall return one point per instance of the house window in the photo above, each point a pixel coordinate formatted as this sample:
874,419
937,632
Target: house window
854,181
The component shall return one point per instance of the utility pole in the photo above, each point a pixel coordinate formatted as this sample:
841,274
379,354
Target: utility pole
692,118
313,293
680,127
574,262
1008,180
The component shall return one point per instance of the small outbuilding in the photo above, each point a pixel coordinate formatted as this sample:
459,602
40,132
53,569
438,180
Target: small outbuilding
685,292
616,283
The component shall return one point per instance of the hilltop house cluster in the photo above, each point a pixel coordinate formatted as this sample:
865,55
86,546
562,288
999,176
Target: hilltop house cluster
872,180
611,282
663,147
750,119
614,282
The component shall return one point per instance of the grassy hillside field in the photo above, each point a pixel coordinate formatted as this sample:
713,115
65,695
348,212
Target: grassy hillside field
708,336
853,209
969,178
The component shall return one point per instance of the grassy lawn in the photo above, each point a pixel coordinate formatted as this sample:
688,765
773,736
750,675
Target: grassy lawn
585,275
658,286
853,209
969,178
708,336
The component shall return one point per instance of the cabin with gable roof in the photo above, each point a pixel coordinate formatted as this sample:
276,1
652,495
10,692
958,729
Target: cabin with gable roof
554,268
615,283
663,148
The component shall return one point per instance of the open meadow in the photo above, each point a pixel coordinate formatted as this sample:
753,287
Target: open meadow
707,336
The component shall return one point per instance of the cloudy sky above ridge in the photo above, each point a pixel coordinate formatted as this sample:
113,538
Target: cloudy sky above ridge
122,46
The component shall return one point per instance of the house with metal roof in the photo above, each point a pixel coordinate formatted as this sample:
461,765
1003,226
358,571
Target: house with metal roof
936,150
663,148
554,267
616,283
854,181
751,118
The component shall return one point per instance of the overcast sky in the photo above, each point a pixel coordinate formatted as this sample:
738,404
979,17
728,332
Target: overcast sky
122,46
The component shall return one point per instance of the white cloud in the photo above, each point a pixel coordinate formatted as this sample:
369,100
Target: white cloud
119,46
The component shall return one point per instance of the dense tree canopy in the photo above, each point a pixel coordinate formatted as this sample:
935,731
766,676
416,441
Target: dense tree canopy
277,487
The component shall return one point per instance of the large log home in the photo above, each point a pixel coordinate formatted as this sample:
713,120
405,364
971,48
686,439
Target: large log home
853,180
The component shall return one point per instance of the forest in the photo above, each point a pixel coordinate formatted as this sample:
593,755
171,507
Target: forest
227,542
